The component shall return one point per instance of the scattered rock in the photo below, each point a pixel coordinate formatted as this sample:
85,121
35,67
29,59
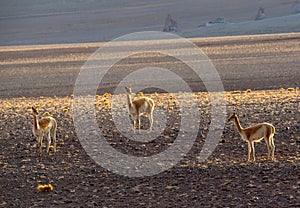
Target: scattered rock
170,25
260,14
219,20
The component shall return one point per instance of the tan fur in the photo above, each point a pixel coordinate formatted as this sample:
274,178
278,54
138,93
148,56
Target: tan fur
45,126
256,134
138,107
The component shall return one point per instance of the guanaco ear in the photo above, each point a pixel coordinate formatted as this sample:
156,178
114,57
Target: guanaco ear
128,89
34,110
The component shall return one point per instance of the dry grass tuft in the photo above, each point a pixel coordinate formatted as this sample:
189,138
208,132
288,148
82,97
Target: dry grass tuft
45,188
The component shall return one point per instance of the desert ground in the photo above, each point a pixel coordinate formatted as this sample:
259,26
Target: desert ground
225,179
43,47
260,62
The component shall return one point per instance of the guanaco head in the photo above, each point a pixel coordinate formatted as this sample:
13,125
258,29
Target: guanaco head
128,90
35,111
232,117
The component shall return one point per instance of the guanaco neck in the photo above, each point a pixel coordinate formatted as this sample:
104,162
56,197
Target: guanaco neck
238,124
35,122
129,100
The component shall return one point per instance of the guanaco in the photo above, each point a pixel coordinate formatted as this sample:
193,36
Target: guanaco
46,126
255,134
138,107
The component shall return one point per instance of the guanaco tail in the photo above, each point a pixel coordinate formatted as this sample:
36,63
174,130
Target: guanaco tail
255,134
138,107
45,126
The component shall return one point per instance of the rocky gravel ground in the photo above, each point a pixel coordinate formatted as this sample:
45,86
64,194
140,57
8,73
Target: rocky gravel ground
225,179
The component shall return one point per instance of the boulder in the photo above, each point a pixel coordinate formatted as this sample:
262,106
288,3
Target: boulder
260,14
170,25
